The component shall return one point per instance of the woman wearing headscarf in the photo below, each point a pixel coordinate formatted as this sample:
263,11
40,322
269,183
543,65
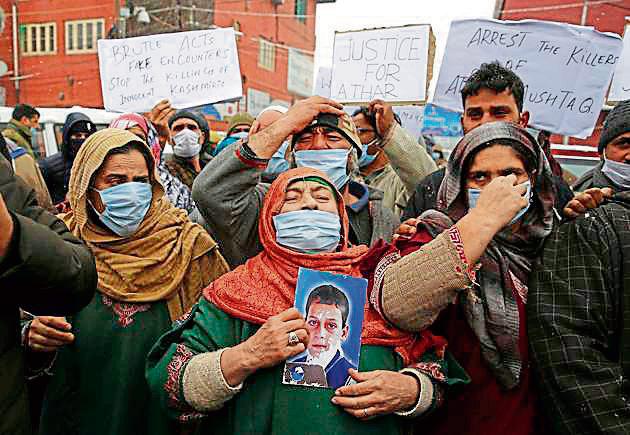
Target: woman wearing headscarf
483,317
225,360
177,192
152,264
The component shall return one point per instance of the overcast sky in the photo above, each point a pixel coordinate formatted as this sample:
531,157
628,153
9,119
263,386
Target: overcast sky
360,14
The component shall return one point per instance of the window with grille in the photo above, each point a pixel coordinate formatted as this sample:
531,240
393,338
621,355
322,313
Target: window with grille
39,39
267,55
81,35
300,10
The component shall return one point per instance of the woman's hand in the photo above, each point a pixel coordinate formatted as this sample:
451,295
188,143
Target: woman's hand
268,347
500,201
407,229
48,334
379,392
159,116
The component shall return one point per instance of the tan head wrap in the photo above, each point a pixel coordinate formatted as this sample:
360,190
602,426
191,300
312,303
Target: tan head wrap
167,258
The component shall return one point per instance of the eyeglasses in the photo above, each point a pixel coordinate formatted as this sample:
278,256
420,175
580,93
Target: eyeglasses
179,127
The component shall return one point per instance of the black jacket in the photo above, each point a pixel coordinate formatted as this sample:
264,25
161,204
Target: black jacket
46,271
595,178
425,196
56,168
578,318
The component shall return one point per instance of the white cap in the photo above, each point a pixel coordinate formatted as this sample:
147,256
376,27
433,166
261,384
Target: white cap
275,108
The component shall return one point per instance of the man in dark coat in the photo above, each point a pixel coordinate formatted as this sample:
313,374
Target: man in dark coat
44,269
578,317
56,168
614,148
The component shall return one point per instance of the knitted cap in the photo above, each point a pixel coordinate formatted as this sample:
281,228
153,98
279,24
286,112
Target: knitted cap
343,124
195,116
240,119
617,122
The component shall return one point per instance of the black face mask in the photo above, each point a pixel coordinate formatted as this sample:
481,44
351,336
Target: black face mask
74,146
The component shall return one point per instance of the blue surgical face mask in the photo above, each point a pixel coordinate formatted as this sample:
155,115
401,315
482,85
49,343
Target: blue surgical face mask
474,194
617,172
125,206
308,231
333,163
278,164
367,159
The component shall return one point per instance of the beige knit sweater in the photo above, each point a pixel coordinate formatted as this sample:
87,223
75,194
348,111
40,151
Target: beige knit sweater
420,285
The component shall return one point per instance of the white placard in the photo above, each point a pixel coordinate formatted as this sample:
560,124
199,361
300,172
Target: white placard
188,68
391,64
411,118
322,82
620,86
566,69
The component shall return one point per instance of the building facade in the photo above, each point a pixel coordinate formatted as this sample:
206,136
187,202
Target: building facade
57,63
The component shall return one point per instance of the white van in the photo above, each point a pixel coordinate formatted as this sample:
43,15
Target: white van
51,121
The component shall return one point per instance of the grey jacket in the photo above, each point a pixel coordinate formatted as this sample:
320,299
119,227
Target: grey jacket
229,197
409,163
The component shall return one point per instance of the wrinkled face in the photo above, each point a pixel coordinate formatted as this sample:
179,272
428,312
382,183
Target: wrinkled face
325,328
118,169
618,149
190,124
488,106
309,195
266,119
492,162
321,138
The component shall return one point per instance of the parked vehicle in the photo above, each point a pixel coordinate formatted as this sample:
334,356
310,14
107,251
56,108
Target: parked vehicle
51,120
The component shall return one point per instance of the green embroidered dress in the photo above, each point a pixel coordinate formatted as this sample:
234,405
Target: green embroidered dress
265,405
98,384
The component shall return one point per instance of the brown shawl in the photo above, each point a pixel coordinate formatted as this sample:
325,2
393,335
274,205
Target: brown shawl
168,258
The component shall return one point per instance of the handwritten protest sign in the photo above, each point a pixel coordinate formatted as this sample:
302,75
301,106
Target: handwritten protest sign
188,68
393,64
566,69
620,86
412,118
322,82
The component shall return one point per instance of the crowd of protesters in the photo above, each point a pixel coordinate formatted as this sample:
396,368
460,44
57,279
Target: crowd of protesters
153,293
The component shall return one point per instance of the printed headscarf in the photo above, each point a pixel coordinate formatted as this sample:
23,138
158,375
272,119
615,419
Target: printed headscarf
130,120
265,285
167,258
509,255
